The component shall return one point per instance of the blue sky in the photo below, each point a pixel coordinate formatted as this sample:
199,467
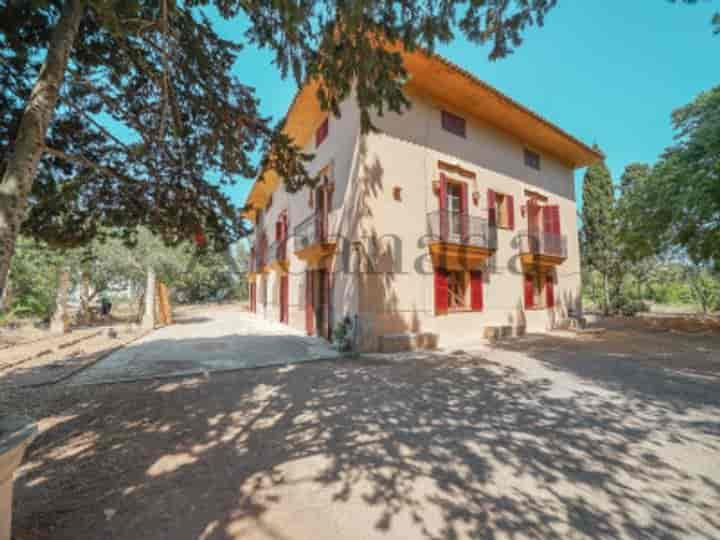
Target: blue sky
607,71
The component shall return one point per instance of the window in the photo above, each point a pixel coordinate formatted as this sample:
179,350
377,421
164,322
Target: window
269,203
501,210
539,290
453,123
532,159
322,132
458,290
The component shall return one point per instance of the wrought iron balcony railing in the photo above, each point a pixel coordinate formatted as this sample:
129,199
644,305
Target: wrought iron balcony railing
542,243
278,250
463,229
312,230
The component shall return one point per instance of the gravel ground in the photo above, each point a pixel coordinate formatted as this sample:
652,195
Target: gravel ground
551,437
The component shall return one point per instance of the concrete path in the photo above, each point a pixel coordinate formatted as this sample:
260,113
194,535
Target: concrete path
219,339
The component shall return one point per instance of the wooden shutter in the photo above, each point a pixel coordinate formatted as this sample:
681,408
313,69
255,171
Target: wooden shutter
510,205
476,290
309,311
285,297
322,132
533,210
492,213
547,216
441,291
555,213
327,287
443,208
549,291
529,291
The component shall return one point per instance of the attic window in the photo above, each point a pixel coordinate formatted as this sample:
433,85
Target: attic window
532,159
322,132
453,123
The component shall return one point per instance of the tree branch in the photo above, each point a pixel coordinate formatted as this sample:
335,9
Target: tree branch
107,171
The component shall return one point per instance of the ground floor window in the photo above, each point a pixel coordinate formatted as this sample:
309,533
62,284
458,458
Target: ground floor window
458,290
539,290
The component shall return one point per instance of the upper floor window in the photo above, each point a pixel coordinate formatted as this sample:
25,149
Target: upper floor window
269,203
532,159
501,210
322,132
453,123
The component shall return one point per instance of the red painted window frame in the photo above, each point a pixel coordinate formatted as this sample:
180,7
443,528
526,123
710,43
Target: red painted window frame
454,124
322,132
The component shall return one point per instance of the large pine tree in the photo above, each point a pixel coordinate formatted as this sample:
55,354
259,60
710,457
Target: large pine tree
75,73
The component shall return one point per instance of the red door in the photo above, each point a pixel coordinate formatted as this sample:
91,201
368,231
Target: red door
324,304
284,299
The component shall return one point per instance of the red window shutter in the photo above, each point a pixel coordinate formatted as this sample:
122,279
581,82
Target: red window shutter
476,290
510,202
529,292
492,219
443,208
533,210
278,230
327,286
441,291
464,219
548,226
322,132
555,211
309,311
549,292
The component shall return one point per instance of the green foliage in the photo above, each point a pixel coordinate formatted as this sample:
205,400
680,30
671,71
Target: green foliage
33,280
679,203
112,267
151,122
599,227
600,232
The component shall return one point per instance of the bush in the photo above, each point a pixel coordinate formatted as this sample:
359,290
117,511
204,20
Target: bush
630,307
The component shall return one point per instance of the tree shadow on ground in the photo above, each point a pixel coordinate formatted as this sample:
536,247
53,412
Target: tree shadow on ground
437,446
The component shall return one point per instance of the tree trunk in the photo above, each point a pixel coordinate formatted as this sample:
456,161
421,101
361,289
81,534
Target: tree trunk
6,295
84,315
59,321
30,138
148,321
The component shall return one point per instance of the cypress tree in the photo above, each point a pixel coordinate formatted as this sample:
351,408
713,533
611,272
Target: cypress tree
599,231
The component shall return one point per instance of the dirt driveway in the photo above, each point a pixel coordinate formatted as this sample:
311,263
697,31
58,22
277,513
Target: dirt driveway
547,438
211,340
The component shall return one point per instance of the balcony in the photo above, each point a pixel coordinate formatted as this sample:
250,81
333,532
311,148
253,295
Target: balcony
460,241
543,249
277,255
257,263
312,242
